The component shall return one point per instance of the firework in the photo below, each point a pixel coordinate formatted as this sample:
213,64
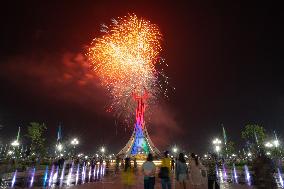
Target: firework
125,60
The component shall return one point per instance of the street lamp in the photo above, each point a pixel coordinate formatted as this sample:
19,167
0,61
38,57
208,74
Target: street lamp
175,149
59,147
217,143
268,145
15,143
217,148
249,154
74,142
276,143
103,150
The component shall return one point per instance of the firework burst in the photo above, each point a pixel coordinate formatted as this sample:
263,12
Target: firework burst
125,60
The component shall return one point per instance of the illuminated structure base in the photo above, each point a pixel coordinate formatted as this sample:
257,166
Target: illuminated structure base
139,145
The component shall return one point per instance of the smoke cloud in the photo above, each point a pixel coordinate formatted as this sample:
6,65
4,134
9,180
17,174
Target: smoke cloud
68,79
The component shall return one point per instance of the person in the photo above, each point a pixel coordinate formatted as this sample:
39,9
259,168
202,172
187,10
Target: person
135,164
101,160
122,164
117,165
93,163
172,164
165,171
149,169
128,175
181,171
211,173
263,169
196,169
61,162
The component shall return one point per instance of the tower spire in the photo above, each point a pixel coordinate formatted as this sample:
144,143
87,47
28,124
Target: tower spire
276,138
18,135
224,134
59,133
140,142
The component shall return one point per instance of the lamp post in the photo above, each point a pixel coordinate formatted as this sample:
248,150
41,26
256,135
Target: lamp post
59,148
217,145
15,143
276,143
272,146
103,149
175,151
268,145
74,143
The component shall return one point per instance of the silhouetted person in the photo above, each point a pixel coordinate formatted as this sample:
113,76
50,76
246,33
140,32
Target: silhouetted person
181,171
173,164
101,161
263,169
93,163
196,169
128,174
122,164
149,170
135,164
117,165
211,173
164,173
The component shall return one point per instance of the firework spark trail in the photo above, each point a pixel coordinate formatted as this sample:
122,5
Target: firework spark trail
124,59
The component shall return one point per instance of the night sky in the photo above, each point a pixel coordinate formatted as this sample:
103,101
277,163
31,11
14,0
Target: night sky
225,61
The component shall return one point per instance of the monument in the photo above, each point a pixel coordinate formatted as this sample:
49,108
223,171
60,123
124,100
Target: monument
139,144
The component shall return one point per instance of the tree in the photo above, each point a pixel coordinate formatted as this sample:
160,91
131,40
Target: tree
254,135
36,135
229,149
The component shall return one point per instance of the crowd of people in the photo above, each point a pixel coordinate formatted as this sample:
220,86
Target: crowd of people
189,173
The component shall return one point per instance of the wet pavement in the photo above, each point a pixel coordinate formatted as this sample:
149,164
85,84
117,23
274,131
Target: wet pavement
85,178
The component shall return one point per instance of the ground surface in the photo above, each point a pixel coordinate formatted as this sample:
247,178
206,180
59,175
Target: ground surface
115,182
112,180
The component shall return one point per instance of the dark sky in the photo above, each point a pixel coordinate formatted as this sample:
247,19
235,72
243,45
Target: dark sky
225,61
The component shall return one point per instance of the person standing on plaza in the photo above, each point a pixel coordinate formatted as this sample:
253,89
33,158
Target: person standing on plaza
135,164
164,173
128,175
211,173
172,164
122,164
181,171
117,165
149,170
263,169
196,169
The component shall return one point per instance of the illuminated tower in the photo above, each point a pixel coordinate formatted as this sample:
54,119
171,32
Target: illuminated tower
59,146
139,144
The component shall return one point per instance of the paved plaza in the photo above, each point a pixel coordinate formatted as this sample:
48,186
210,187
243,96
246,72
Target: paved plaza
115,182
108,180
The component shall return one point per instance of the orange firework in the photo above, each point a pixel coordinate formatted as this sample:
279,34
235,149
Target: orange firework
124,57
